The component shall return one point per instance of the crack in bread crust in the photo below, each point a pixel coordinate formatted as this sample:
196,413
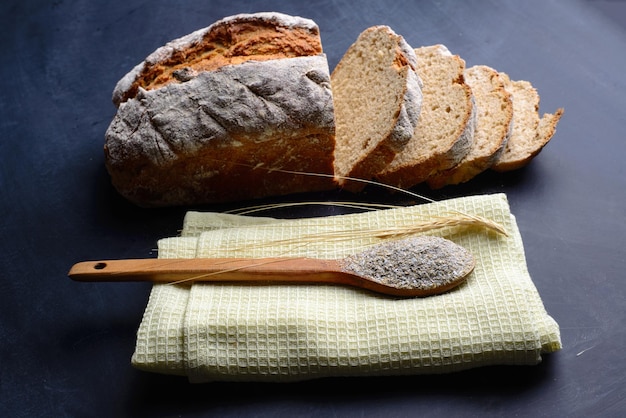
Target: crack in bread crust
231,41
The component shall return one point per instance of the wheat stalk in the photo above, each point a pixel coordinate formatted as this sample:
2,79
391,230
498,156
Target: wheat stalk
352,205
455,219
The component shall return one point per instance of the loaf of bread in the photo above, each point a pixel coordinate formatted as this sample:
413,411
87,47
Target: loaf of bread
247,108
530,132
493,127
377,96
446,128
226,113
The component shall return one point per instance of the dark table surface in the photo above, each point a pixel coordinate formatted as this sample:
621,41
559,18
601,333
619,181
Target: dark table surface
65,347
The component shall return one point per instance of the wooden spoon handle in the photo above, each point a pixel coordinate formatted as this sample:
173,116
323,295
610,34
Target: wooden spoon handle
216,269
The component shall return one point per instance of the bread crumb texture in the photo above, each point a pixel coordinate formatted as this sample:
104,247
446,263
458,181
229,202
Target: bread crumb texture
494,113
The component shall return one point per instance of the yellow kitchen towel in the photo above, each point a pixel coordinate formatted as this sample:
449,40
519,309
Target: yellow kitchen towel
243,332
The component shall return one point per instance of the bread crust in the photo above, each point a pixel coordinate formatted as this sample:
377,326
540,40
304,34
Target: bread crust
232,40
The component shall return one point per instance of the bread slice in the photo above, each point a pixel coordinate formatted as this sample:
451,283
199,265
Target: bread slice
446,127
530,133
231,112
377,99
493,126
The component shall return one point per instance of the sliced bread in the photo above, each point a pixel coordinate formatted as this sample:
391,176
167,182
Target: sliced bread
530,133
493,126
377,99
446,127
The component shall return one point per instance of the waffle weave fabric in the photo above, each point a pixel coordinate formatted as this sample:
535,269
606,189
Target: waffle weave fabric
231,332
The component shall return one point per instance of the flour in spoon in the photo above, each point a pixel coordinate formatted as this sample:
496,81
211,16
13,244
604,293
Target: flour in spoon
415,263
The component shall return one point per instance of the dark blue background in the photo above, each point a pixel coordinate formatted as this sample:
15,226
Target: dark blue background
65,347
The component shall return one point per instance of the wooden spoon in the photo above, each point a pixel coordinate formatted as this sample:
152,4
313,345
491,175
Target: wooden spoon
420,266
